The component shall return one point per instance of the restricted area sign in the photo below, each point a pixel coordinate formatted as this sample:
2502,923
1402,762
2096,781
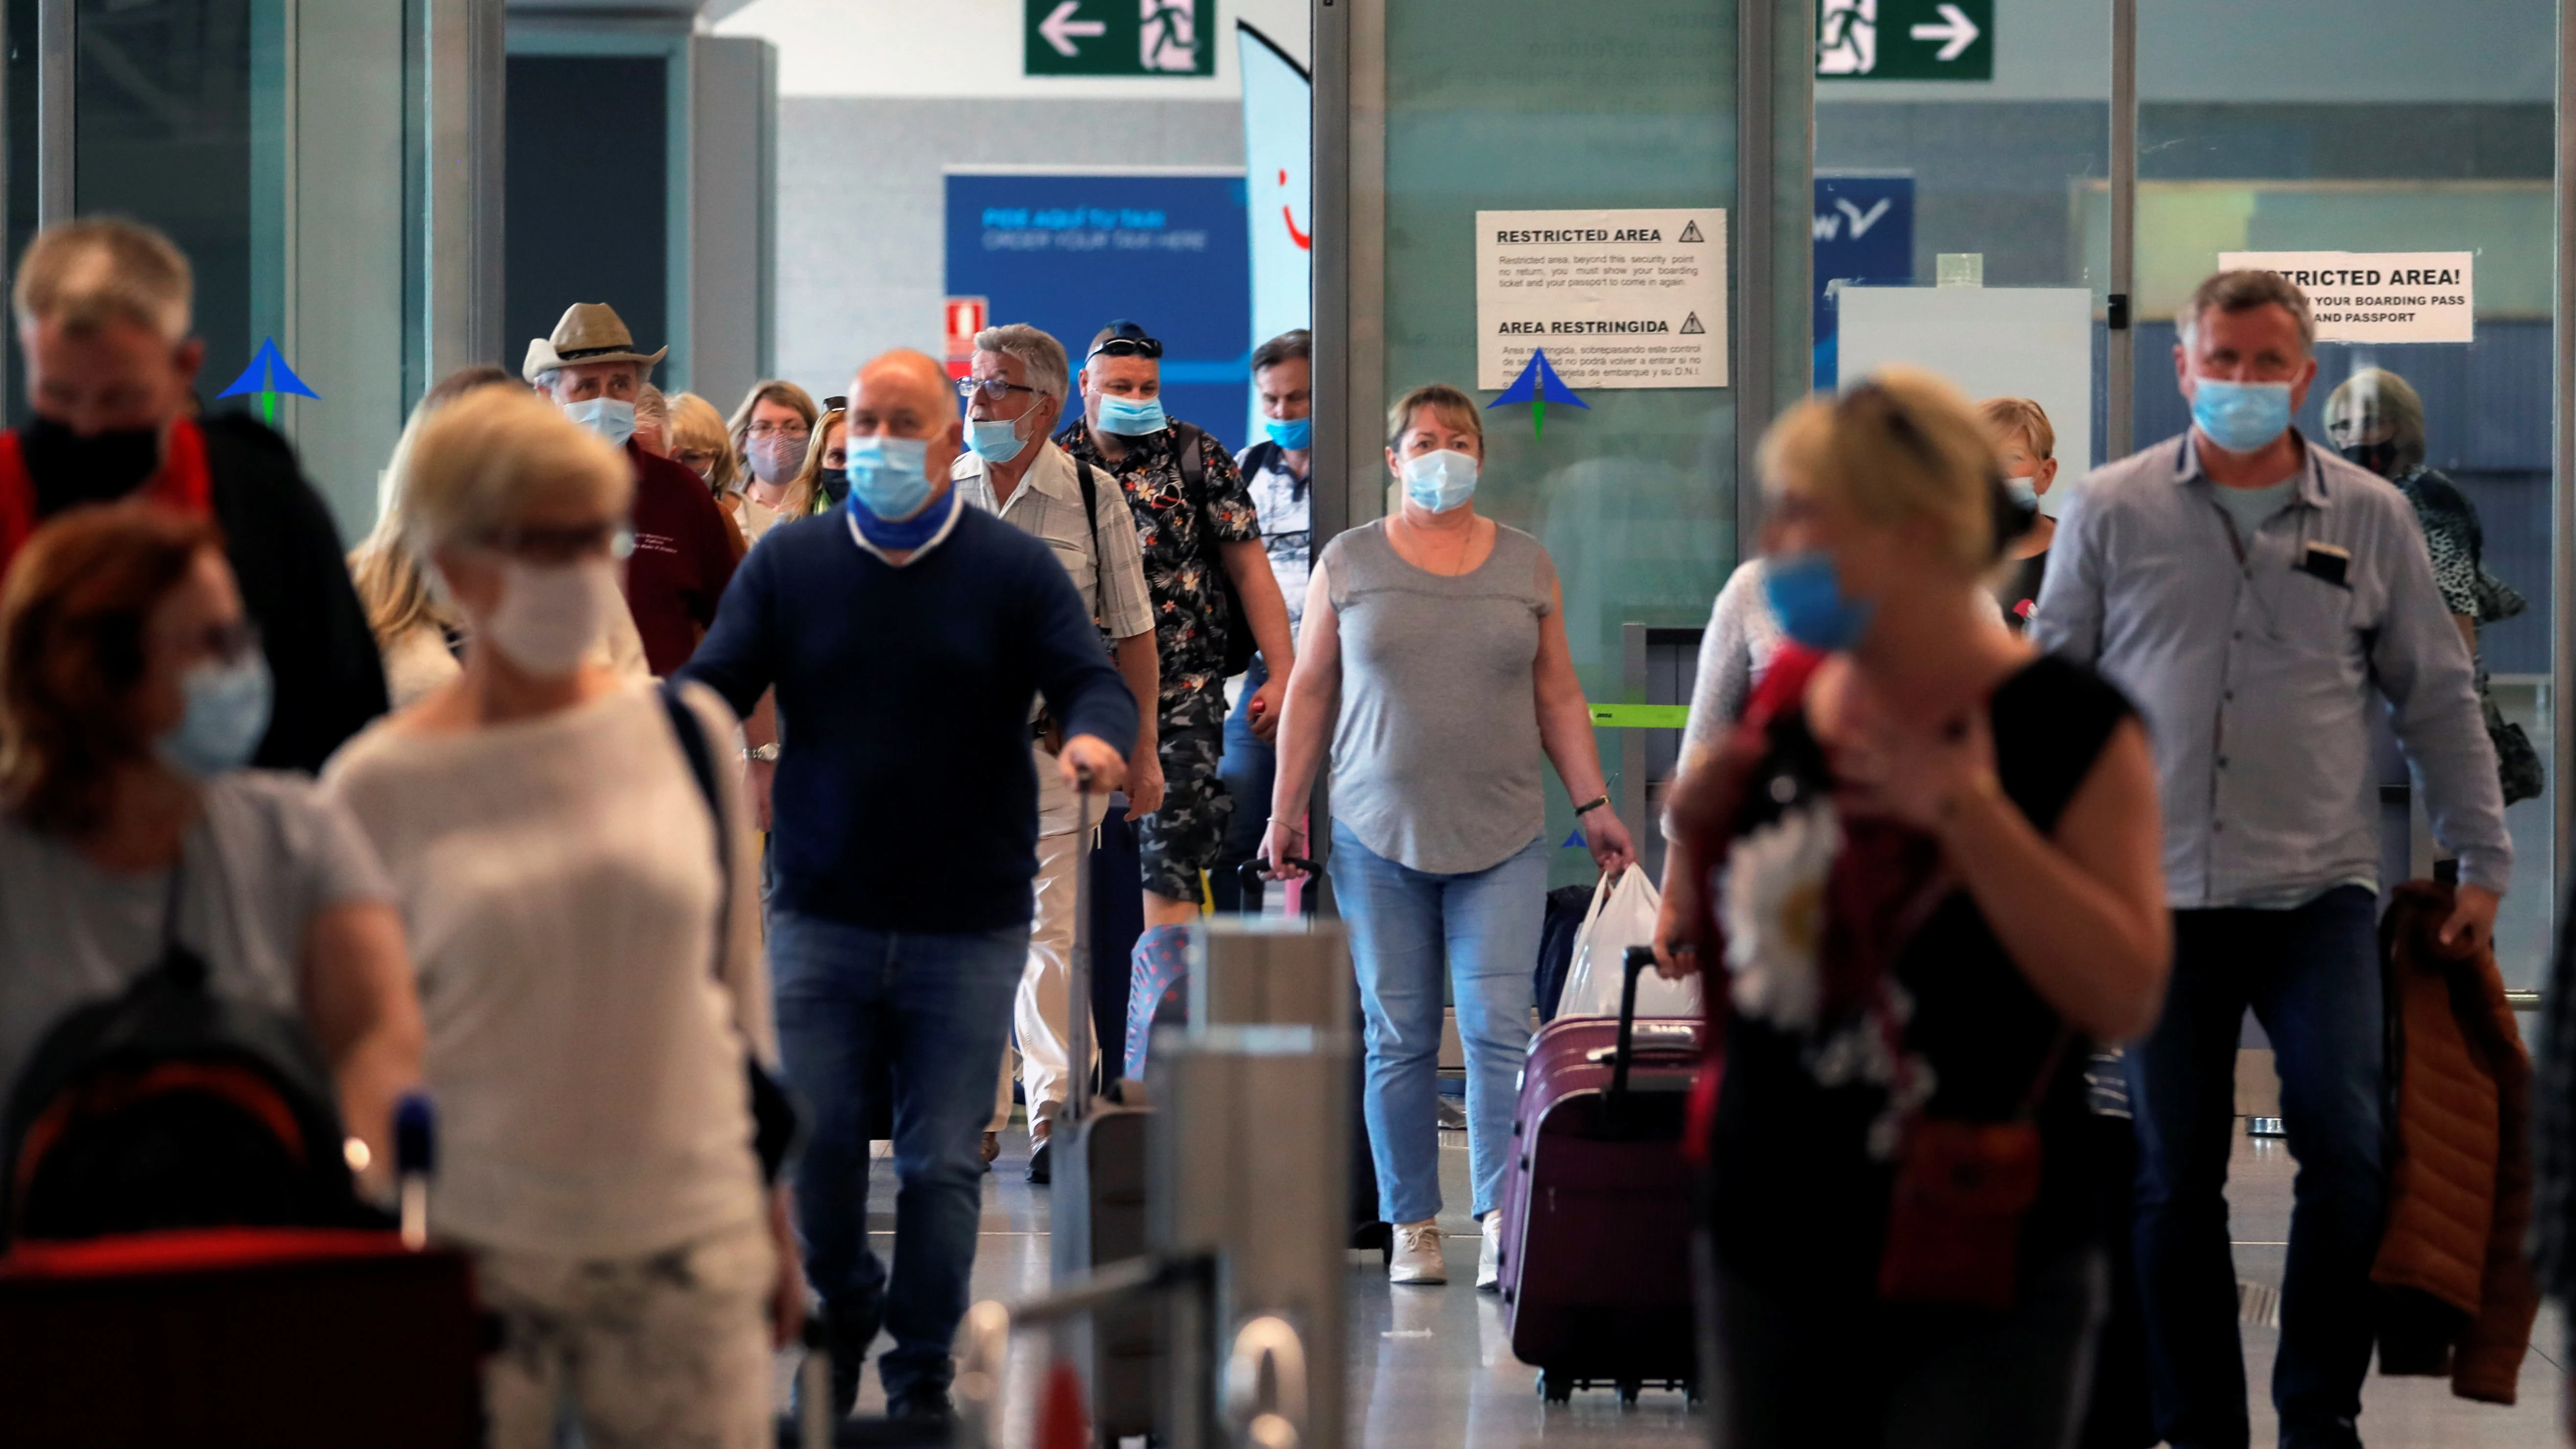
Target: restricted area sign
2378,296
1905,39
1121,37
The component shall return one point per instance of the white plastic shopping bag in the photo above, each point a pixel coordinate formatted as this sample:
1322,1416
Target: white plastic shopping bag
1622,915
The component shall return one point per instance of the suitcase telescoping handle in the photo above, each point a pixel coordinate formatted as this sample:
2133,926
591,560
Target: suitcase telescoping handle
1077,1100
1639,960
1248,876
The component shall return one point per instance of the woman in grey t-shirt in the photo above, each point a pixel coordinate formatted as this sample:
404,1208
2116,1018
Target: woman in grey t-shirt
1434,654
135,691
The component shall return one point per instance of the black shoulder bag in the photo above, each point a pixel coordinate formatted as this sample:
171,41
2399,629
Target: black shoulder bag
773,1111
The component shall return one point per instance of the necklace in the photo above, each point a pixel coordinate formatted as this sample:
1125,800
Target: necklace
1457,559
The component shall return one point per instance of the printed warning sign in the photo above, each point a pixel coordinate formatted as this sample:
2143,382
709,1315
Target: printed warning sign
2377,296
1627,298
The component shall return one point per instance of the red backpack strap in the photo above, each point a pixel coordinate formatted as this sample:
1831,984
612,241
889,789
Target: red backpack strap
185,482
17,499
1784,683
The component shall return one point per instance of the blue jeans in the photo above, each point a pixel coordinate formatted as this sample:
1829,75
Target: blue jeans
1404,924
936,1009
1249,766
2312,978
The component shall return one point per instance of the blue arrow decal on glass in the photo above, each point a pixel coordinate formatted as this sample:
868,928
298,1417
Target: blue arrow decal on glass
1537,383
268,375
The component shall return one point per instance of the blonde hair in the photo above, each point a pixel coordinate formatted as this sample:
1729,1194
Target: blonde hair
386,567
695,423
2005,416
1902,446
778,390
2381,396
804,496
1453,406
485,458
88,272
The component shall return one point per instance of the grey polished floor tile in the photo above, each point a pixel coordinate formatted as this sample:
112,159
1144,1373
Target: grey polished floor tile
1432,1367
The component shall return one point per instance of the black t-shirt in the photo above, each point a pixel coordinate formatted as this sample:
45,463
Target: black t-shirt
1799,1201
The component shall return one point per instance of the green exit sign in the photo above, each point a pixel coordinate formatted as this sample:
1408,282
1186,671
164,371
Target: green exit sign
1119,37
1905,39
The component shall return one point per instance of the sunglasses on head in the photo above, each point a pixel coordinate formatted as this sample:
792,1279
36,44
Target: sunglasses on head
1125,345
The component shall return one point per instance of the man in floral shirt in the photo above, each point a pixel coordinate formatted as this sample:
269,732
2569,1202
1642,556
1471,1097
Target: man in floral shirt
1193,516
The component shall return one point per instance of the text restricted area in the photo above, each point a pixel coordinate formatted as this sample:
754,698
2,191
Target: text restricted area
1629,298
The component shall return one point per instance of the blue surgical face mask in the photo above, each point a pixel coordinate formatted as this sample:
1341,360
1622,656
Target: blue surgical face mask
227,714
1132,417
2024,491
996,441
2241,417
889,475
1440,481
1293,434
607,416
1806,595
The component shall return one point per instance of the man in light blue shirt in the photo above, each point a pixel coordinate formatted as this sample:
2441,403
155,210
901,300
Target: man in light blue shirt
2258,597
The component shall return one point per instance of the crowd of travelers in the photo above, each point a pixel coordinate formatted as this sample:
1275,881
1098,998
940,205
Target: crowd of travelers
647,772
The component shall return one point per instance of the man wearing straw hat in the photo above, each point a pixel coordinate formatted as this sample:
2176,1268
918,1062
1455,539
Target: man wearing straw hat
685,548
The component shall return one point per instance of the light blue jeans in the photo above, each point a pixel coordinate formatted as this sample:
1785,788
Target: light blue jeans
936,1010
1405,925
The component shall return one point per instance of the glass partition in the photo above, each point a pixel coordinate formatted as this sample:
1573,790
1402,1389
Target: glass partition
2435,136
1534,106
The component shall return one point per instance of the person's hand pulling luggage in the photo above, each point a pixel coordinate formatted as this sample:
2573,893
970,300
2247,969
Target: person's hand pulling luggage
1089,764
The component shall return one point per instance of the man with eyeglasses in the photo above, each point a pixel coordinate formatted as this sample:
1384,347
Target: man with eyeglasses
685,547
1014,394
103,322
1200,535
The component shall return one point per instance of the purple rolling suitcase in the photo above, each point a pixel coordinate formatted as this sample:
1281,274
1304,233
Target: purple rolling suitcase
1596,1213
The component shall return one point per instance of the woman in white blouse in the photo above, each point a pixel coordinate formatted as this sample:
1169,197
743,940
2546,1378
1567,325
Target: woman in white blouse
590,979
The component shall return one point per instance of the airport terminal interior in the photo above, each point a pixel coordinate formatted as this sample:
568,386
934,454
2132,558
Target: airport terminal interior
1775,760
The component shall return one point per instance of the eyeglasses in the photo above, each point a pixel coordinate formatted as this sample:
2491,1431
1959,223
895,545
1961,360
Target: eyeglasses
995,388
612,539
777,430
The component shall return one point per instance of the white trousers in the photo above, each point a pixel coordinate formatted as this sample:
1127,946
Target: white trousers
666,1351
1042,1014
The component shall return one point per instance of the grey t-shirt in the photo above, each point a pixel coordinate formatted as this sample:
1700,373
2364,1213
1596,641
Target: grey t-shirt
268,854
1436,756
2247,508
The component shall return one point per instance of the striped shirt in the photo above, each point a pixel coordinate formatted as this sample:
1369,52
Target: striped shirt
1048,505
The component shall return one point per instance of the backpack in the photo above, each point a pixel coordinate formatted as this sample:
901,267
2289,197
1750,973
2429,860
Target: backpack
168,1106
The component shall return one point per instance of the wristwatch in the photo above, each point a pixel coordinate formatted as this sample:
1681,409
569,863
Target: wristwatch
765,754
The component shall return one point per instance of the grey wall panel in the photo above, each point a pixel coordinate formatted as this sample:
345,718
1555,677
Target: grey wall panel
861,204
731,260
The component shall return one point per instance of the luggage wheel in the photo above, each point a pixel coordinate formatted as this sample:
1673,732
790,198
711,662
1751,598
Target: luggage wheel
1554,1387
1629,1389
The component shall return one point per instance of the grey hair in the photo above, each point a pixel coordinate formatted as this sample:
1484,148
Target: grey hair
649,403
1050,372
2243,291
86,271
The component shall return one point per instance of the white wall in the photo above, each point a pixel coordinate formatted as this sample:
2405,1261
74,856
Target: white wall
879,97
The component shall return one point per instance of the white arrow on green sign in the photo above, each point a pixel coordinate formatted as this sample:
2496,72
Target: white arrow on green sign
1119,37
1905,39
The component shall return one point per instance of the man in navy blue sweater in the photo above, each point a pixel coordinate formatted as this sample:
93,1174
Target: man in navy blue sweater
905,635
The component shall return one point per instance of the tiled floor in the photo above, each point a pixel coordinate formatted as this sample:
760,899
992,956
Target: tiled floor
1433,1367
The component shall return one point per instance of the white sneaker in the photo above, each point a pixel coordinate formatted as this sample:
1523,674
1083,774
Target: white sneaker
1489,1258
1417,1254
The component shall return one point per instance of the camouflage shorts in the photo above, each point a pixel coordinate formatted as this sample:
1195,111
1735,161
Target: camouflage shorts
1180,840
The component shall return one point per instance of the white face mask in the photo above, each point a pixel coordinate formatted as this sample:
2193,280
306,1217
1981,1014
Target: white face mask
550,615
